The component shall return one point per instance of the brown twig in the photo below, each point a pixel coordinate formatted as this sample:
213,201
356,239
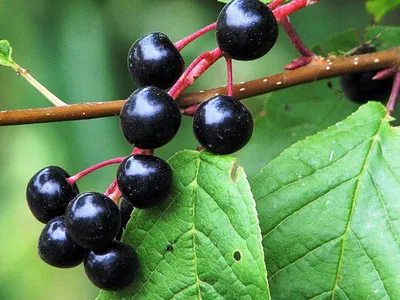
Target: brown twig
319,68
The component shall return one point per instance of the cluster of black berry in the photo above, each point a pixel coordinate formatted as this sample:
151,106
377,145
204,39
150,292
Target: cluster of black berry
86,227
81,228
245,30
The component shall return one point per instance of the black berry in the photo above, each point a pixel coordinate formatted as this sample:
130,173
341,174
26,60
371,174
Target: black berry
92,220
126,209
113,267
222,125
150,118
144,180
360,88
56,248
154,60
246,29
48,193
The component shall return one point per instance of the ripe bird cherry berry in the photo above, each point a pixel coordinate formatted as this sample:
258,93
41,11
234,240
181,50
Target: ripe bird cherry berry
360,87
126,209
246,29
48,193
222,125
154,60
56,248
150,118
144,180
92,220
113,267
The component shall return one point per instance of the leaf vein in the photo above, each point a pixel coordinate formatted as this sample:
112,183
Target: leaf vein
384,208
306,205
372,262
318,170
301,257
353,205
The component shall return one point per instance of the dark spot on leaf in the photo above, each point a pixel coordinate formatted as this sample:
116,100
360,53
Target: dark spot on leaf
329,84
237,255
170,248
339,277
287,107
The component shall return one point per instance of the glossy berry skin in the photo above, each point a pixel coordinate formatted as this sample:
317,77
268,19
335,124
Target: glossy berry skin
56,248
150,118
360,88
48,193
112,268
246,29
222,125
92,220
144,180
126,209
154,60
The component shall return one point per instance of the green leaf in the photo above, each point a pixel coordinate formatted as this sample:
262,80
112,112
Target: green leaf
340,43
379,8
291,115
385,37
329,212
205,242
5,53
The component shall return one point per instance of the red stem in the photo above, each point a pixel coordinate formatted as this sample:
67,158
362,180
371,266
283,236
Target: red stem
385,74
230,75
195,69
274,4
295,38
73,179
111,188
287,9
187,40
115,195
189,111
394,96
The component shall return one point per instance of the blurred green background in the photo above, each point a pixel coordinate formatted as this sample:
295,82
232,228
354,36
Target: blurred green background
78,50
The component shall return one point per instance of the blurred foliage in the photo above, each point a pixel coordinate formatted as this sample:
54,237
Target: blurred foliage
78,50
379,8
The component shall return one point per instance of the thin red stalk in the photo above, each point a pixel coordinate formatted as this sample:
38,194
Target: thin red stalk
73,179
187,40
274,4
142,151
189,111
111,188
195,69
230,75
115,195
395,94
293,6
295,38
385,74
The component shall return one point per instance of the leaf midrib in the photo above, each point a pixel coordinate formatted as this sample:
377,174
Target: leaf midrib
353,205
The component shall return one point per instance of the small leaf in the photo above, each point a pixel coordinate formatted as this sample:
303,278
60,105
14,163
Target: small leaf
340,43
5,53
204,242
330,212
379,8
385,37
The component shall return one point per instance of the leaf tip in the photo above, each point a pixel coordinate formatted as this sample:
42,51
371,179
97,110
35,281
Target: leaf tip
5,53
